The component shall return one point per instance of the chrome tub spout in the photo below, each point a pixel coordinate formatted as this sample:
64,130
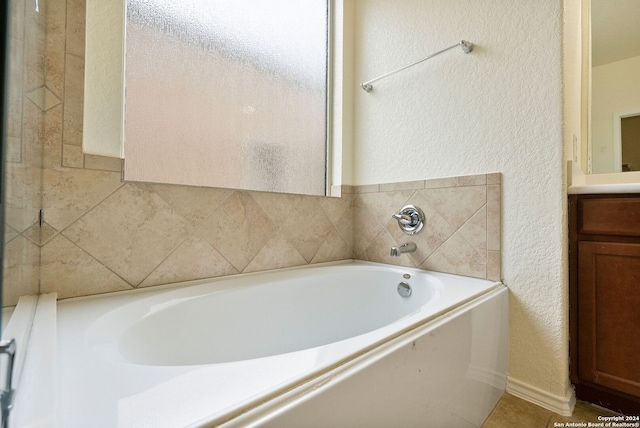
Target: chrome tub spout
407,247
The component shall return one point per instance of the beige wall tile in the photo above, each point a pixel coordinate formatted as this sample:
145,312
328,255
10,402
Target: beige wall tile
464,180
193,203
406,185
52,137
494,178
195,258
474,231
14,149
365,226
346,189
9,233
22,196
32,134
131,232
16,87
335,208
333,249
494,217
76,12
238,229
70,271
458,257
368,188
34,39
21,270
69,193
278,206
72,156
55,45
103,163
277,253
494,265
344,226
73,100
307,227
456,204
17,19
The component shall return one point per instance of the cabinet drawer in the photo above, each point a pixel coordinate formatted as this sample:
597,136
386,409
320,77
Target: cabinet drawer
610,216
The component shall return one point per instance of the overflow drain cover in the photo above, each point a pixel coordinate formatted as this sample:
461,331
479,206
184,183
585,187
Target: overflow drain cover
404,289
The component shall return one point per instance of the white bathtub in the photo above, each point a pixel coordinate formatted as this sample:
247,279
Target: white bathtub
279,348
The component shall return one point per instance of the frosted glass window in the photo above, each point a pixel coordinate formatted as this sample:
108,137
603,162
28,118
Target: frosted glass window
227,93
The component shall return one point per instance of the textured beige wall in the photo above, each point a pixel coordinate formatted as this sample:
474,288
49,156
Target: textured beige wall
496,109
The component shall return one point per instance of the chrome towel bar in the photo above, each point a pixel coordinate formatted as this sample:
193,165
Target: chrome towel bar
466,48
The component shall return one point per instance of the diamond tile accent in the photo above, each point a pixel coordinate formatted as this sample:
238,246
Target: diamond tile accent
40,235
43,98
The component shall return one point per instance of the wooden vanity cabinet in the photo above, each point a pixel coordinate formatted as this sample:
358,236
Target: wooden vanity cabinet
604,299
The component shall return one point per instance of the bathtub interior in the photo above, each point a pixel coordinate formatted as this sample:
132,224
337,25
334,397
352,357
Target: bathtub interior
247,321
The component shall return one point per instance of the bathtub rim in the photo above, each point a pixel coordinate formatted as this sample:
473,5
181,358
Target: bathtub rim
250,402
192,282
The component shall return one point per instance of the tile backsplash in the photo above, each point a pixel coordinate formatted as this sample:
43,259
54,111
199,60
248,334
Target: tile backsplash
462,228
100,234
138,235
104,235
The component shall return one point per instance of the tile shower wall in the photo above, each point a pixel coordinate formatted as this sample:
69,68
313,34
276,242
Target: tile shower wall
27,101
100,234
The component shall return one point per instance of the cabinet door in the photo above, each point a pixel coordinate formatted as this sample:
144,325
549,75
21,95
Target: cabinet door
609,315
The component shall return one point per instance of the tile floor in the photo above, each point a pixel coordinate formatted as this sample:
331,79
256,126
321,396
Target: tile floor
512,412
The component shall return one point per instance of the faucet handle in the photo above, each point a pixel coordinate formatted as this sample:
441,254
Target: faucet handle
402,218
410,219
